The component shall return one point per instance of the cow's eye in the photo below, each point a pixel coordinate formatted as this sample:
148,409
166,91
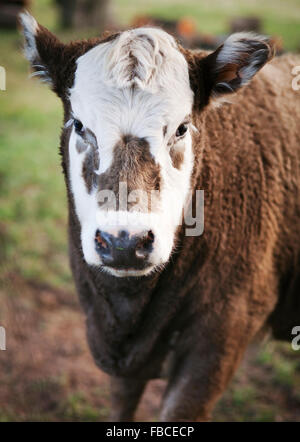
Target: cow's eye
78,127
181,130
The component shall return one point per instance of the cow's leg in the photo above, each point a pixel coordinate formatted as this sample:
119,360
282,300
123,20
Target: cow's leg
195,386
207,355
209,350
125,396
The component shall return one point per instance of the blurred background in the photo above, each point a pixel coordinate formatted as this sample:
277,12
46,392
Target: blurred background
46,371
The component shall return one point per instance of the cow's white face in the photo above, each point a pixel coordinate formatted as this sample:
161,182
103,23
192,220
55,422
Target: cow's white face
130,156
132,93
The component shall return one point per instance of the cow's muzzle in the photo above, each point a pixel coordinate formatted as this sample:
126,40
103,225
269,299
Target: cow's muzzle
123,251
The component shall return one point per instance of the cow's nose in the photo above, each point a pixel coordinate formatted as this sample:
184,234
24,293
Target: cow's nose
124,251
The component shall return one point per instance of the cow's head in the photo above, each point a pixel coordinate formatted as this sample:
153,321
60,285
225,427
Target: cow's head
128,120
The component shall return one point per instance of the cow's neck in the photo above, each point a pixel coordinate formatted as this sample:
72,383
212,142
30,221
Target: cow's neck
129,315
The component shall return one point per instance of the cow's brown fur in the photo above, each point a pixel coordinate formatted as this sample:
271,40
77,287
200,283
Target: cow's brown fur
177,157
218,290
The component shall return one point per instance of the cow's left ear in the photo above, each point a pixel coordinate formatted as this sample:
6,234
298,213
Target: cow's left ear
229,67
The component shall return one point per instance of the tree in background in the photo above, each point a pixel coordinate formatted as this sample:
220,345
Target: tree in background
84,13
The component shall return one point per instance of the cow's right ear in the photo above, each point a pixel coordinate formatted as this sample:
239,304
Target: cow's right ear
228,68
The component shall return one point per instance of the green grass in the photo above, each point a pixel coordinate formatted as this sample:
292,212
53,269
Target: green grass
266,385
284,365
77,408
32,196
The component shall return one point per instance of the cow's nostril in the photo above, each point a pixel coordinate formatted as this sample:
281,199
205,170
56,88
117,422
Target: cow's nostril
100,241
144,246
150,236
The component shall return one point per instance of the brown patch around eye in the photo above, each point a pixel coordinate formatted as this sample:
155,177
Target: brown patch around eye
91,161
88,170
177,157
81,146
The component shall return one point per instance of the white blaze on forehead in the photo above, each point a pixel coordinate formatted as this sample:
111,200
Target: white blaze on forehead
146,57
103,98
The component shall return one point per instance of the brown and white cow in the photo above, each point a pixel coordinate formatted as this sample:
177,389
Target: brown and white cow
144,117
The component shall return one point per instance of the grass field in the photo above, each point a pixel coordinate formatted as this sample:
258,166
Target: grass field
38,306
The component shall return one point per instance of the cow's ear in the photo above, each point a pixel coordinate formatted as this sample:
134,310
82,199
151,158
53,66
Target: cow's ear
229,67
51,60
42,49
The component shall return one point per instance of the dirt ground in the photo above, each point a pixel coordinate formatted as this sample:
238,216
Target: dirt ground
47,372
